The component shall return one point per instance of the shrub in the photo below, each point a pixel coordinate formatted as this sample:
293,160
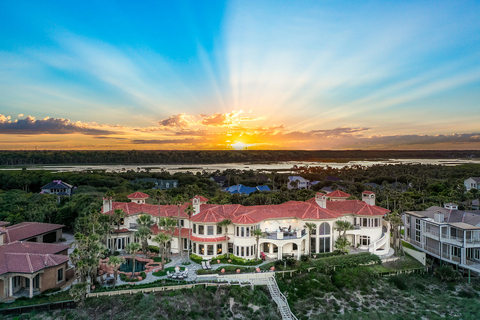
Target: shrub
153,249
344,261
116,253
293,263
467,294
62,240
143,274
305,258
399,282
196,258
51,290
447,274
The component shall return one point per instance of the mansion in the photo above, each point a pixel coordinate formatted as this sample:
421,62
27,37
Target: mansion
283,225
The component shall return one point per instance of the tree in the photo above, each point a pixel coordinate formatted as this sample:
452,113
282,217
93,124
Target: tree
189,211
145,223
169,225
343,226
257,233
310,226
118,215
341,244
116,262
178,201
224,224
132,249
395,223
78,292
294,184
162,239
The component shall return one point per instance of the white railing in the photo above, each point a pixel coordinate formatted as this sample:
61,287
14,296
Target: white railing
377,244
280,300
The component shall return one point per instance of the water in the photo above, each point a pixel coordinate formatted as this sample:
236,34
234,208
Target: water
285,167
127,266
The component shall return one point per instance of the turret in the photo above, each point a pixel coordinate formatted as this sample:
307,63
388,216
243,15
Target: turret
197,201
321,200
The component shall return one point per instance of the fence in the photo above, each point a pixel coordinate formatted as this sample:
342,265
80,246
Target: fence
69,304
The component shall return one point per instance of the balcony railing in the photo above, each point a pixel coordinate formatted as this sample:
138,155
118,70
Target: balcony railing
283,235
432,250
446,255
474,240
455,258
133,226
432,232
458,239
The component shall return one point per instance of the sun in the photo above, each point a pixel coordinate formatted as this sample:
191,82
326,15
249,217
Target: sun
239,145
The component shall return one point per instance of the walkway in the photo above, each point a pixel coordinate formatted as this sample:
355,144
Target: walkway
280,300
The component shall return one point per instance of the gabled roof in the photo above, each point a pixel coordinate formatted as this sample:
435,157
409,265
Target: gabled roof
138,195
27,230
202,199
244,219
355,207
4,223
338,194
57,184
476,179
368,192
30,257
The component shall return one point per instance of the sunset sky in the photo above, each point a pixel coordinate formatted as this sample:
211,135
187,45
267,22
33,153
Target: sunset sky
223,75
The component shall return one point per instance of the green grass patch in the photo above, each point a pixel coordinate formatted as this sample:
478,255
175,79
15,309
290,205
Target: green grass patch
39,299
409,246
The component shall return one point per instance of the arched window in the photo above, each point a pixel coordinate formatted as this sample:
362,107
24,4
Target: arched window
324,229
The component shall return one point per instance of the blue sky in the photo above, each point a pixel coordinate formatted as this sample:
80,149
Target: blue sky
267,74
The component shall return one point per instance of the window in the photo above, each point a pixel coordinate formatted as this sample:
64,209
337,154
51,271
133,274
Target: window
243,231
200,229
376,222
365,223
453,232
219,249
354,221
210,249
243,251
238,250
417,235
294,246
313,244
324,229
122,221
324,245
230,248
60,275
365,240
194,228
219,230
266,247
248,251
238,232
210,230
248,233
195,248
201,249
182,222
456,251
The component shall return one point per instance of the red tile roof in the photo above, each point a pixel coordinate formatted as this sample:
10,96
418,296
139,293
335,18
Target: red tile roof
30,257
199,239
207,216
202,199
121,230
4,223
338,194
138,195
368,192
244,219
27,230
356,207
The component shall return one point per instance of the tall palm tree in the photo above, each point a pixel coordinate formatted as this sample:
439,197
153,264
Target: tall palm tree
178,201
343,226
162,239
132,249
257,233
145,223
395,223
310,226
224,224
169,225
189,211
118,215
116,262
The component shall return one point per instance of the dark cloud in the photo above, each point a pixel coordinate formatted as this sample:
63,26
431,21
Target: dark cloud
30,125
339,132
399,140
167,141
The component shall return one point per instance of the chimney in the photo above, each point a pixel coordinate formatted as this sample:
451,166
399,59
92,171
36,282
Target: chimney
107,204
368,197
438,217
321,200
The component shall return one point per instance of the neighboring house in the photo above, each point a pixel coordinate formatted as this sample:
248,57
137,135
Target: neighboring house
58,187
329,189
332,178
282,225
448,234
472,183
240,188
475,204
302,183
373,185
220,180
29,260
159,183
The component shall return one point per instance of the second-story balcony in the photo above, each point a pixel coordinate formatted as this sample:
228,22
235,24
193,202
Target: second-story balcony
284,235
133,226
432,233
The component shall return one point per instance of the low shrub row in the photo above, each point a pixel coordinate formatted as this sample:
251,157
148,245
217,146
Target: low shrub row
344,261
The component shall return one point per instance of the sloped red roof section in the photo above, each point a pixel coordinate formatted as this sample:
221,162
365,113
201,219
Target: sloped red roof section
208,216
202,199
368,192
138,195
27,230
245,219
199,239
338,194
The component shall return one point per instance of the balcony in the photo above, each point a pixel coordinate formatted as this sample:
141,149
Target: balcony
452,239
284,235
432,233
133,226
432,250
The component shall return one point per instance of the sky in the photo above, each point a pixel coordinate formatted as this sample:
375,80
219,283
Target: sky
123,75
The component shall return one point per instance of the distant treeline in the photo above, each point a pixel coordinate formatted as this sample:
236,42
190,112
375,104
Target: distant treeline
16,158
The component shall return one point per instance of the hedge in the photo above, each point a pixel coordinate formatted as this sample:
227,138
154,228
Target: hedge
347,261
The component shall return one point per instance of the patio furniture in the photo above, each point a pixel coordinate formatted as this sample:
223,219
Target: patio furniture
208,265
169,275
204,266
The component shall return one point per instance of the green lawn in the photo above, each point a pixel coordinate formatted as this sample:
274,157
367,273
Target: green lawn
164,272
40,299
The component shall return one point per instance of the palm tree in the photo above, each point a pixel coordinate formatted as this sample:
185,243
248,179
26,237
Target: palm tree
310,226
162,239
116,262
169,225
145,223
178,201
395,222
343,226
224,224
118,215
132,249
189,211
257,233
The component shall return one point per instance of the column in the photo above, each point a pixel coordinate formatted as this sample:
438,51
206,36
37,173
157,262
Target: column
10,287
31,287
280,249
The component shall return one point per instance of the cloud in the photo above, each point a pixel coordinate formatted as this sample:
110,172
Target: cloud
177,121
222,119
20,115
167,141
48,125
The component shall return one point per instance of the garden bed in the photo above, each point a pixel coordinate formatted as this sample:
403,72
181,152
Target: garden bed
162,273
